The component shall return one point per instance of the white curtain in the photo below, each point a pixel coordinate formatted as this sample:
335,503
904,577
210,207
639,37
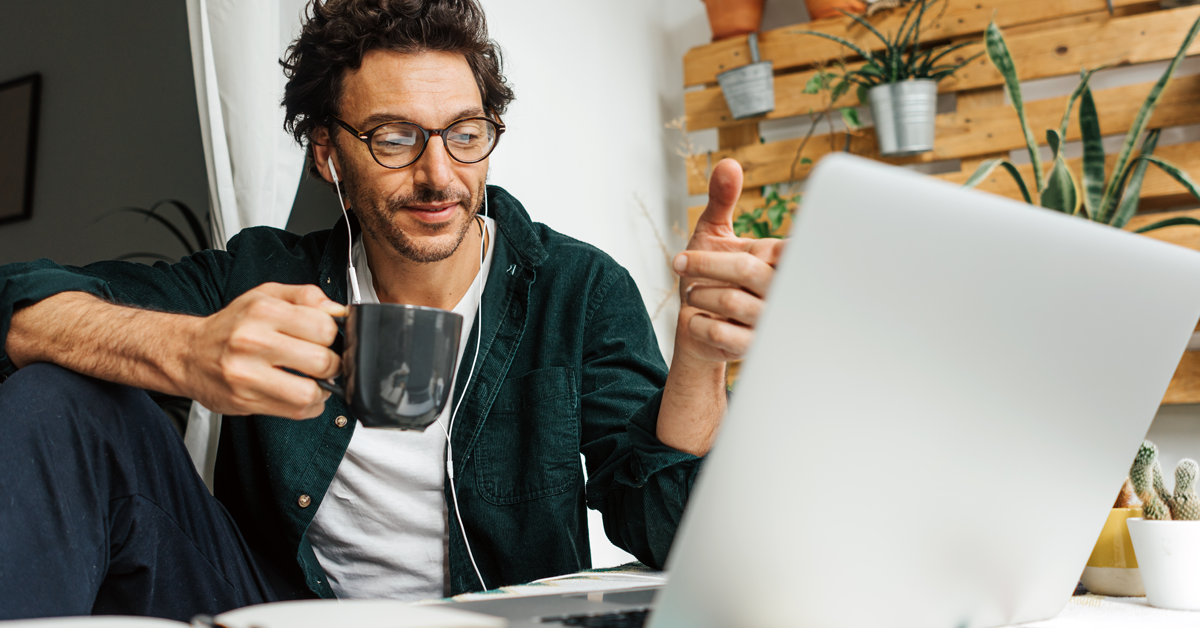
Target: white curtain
254,166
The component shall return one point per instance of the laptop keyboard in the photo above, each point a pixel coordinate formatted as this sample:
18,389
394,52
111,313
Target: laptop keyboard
621,619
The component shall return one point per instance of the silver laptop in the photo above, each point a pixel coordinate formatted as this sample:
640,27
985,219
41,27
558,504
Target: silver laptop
946,393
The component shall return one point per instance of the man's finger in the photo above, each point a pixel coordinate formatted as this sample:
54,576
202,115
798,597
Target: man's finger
768,250
738,269
724,188
728,303
728,340
303,294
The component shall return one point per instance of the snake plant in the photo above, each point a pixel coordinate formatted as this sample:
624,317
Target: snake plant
1113,201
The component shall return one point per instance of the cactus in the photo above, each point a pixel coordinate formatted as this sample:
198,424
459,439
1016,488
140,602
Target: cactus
1160,487
1141,474
1186,505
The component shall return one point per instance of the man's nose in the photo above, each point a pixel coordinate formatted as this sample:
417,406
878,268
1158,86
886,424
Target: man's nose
434,168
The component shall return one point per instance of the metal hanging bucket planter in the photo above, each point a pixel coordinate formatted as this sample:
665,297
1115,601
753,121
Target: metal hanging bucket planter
904,116
749,90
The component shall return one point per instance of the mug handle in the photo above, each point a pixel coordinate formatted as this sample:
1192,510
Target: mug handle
327,384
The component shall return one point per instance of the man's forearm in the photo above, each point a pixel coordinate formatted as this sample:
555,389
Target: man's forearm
115,343
692,405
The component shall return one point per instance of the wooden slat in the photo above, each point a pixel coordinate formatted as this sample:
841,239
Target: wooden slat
1139,38
737,135
788,49
977,132
1183,235
1185,383
1158,189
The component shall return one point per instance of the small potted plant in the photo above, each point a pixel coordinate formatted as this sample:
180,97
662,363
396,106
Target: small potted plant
1167,538
1113,201
900,81
1112,569
730,18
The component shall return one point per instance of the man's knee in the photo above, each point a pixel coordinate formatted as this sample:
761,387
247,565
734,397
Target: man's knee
49,398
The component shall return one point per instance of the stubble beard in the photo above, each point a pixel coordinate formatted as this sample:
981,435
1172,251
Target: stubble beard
375,216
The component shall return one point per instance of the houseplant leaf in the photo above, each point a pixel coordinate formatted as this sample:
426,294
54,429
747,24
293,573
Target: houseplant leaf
1133,190
986,169
1175,172
1170,222
1084,77
1093,153
997,51
1060,193
1108,203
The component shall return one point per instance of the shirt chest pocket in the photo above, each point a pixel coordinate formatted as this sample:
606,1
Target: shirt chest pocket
529,446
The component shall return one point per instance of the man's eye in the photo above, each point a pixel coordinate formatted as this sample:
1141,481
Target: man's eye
463,138
393,139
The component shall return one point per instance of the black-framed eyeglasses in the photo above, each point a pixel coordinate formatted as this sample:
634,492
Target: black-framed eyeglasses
399,144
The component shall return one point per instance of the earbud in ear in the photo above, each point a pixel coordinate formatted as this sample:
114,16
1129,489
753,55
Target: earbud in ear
332,170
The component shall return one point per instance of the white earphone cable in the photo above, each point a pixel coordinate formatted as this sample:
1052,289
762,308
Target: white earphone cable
357,298
454,414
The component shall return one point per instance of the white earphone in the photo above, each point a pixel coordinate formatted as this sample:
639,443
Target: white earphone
357,298
478,338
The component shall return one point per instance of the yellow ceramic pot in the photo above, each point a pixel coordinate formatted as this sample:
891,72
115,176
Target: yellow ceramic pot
1113,568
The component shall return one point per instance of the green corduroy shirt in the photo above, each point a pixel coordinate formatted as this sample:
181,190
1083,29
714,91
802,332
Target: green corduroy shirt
569,364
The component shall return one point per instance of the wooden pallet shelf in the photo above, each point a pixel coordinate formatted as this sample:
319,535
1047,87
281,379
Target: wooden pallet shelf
1047,39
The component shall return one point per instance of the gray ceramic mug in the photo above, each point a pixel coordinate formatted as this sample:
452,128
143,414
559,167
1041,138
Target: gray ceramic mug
398,365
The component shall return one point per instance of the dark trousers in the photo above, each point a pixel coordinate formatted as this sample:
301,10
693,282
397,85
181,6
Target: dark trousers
102,511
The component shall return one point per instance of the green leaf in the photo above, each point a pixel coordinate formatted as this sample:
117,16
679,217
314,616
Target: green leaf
742,225
850,117
815,83
1084,77
868,26
1179,175
804,161
1132,192
863,94
1108,203
1054,140
986,169
775,216
997,51
932,60
761,230
1093,153
1170,222
1060,193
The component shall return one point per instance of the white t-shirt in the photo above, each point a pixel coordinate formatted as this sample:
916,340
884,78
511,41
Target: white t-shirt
381,531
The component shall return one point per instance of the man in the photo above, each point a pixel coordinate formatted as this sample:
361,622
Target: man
103,512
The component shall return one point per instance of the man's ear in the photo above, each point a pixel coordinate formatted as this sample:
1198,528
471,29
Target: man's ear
322,149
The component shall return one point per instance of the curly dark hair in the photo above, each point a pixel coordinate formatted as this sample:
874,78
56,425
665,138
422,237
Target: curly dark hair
338,33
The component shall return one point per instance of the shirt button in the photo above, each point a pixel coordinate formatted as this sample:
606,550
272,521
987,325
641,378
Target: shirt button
304,501
340,421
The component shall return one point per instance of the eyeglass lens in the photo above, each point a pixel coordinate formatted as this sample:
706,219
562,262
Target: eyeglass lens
399,144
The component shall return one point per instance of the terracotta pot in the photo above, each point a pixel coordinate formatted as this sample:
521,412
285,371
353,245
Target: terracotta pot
821,9
730,18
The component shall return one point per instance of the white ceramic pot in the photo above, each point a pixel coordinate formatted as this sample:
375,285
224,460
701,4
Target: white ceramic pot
1168,555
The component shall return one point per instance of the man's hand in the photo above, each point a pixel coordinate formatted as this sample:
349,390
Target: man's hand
239,353
724,278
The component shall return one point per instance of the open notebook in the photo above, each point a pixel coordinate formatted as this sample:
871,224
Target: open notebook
302,614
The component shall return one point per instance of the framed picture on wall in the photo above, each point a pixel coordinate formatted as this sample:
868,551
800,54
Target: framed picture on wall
20,100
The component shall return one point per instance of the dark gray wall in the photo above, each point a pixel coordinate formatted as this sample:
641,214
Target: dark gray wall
119,127
118,124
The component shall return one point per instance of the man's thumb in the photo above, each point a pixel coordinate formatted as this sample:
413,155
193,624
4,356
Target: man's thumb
724,189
